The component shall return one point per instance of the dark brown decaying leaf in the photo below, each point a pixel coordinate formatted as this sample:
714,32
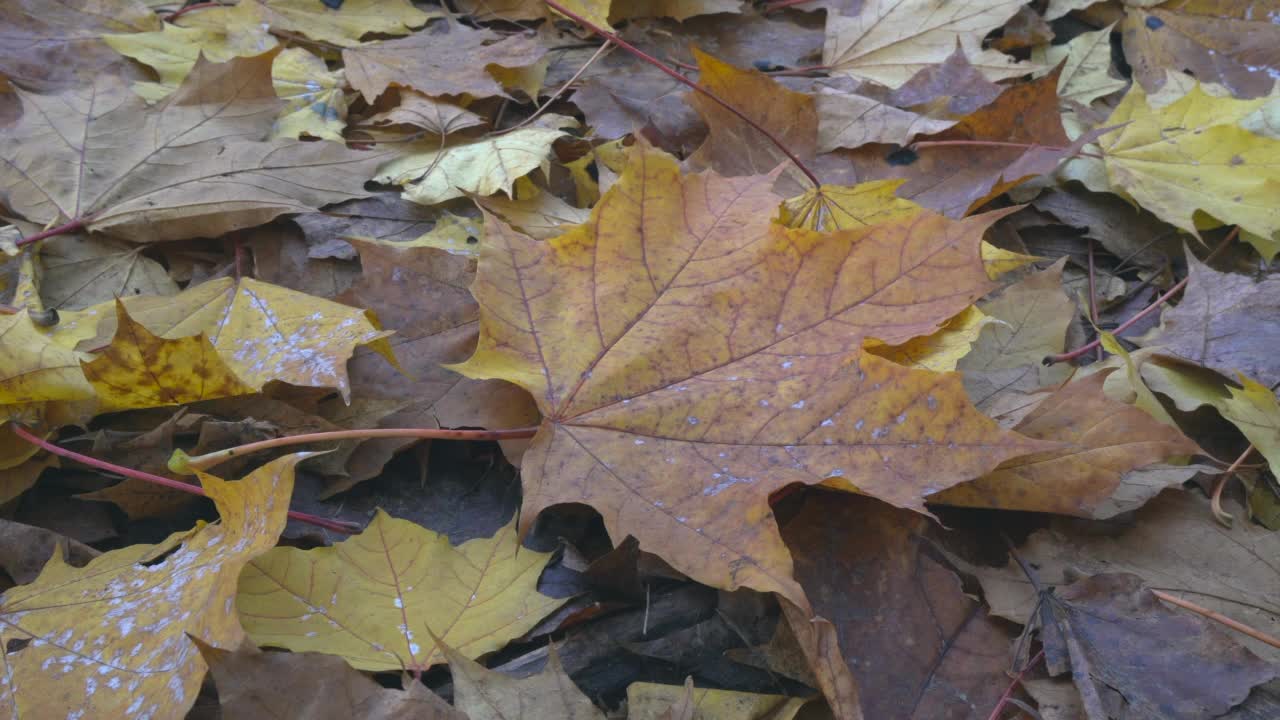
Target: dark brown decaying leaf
1226,322
1143,660
256,685
917,645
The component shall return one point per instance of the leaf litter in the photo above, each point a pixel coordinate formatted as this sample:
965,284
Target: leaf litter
699,359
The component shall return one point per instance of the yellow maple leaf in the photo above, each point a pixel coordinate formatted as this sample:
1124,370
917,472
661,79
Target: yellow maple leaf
651,701
691,355
110,640
315,101
141,370
1200,153
377,598
941,351
35,369
346,22
1254,410
263,332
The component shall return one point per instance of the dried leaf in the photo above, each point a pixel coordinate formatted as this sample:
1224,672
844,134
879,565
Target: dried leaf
444,59
484,694
891,40
433,174
255,685
33,368
47,47
1225,322
346,22
80,270
917,646
25,549
650,701
113,638
849,120
475,597
1086,75
315,102
191,166
1105,440
763,393
431,114
1254,410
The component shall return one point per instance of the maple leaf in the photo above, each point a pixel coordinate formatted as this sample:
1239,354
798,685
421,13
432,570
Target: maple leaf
1085,75
346,23
1106,438
434,174
192,165
46,46
651,701
140,370
1224,322
256,685
263,332
917,646
1236,45
315,101
1254,410
113,637
33,368
475,597
850,120
890,40
1200,153
431,114
80,270
484,694
443,59
662,424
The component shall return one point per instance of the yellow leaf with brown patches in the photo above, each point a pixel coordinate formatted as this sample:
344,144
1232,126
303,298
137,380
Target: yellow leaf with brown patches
140,370
113,639
662,423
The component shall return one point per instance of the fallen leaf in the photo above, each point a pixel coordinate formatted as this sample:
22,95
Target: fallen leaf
432,174
889,41
1031,318
631,428
1224,322
33,369
383,216
1172,544
620,10
131,612
431,114
21,475
475,597
916,644
733,147
1018,136
1105,439
1130,233
191,166
446,58
651,701
1236,45
345,23
48,47
1110,624
941,351
849,120
1254,410
484,694
262,332
80,270
256,685
951,89
1197,154
538,213
315,101
1085,76
25,549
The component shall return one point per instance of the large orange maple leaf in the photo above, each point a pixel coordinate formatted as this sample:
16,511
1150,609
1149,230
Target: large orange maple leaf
691,356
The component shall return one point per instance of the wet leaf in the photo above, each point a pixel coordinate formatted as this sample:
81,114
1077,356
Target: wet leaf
475,596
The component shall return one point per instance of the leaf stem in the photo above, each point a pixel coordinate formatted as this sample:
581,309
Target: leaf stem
184,464
1215,498
1072,355
686,81
1218,617
1017,680
64,229
326,523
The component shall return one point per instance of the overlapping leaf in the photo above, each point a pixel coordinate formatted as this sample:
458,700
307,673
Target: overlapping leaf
197,164
113,639
661,424
475,597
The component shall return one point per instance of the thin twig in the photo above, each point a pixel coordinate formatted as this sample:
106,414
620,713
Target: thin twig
686,81
1017,680
1093,298
1072,355
326,523
1218,617
599,52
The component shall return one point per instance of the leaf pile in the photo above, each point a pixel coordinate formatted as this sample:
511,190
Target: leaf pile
824,344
